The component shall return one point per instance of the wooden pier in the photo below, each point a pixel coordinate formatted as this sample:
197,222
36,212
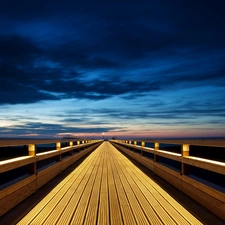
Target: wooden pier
108,189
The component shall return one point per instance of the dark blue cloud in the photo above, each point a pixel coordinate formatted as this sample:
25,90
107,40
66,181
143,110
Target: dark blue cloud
156,53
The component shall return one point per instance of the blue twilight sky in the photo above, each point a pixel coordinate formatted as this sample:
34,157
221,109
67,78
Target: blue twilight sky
142,68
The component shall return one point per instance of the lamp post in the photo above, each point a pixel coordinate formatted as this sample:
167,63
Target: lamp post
103,136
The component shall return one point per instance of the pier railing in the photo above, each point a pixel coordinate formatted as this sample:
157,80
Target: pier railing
202,177
26,165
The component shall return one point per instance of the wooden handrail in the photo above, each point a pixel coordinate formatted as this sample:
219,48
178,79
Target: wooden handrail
183,170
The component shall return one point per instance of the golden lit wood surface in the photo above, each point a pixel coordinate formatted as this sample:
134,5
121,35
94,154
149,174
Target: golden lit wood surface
106,188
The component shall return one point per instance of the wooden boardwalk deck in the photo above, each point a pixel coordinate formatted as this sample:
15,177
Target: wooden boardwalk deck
107,188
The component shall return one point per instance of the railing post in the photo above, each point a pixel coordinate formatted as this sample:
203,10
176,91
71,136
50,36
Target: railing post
156,147
71,143
78,142
135,142
185,148
142,145
32,169
58,145
32,149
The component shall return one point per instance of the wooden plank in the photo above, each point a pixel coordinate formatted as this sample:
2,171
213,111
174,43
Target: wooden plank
47,174
160,170
209,203
115,213
9,190
14,163
127,214
199,189
67,162
211,165
168,155
16,197
48,154
167,170
103,211
69,148
206,190
91,213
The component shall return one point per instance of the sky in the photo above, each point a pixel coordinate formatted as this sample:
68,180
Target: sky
128,68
